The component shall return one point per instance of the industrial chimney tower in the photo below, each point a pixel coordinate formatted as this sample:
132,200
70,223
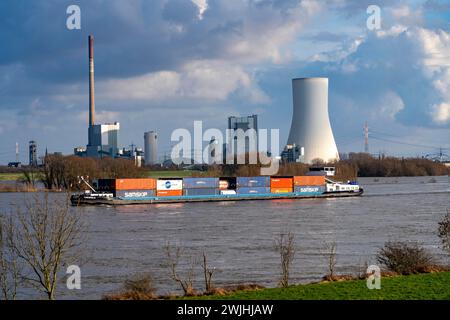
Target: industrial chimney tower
311,127
91,89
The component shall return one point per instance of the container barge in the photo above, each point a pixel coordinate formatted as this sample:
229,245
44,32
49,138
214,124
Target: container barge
182,190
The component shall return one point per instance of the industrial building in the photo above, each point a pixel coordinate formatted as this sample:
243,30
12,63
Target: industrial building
293,153
150,148
33,161
102,138
251,136
311,130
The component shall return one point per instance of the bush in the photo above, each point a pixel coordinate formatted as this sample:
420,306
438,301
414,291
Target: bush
404,258
140,287
140,283
444,231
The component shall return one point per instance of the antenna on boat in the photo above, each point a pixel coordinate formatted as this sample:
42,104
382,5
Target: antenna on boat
81,179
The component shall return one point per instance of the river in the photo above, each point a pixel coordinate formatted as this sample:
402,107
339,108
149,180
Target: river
238,237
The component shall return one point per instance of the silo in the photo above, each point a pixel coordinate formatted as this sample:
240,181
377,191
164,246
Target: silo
311,127
151,148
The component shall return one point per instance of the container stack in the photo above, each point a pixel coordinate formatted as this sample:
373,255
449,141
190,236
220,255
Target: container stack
281,185
128,188
253,185
200,186
309,184
169,187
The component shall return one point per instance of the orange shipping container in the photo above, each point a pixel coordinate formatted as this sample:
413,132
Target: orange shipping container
281,182
169,193
281,190
309,180
135,184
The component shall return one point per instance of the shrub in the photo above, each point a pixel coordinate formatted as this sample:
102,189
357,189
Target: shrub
404,258
444,231
140,283
139,287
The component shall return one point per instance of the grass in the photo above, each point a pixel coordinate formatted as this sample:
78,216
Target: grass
429,286
10,176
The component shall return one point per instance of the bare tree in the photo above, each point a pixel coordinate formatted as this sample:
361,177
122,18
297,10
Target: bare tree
331,258
284,244
10,267
30,176
173,256
208,274
44,234
444,231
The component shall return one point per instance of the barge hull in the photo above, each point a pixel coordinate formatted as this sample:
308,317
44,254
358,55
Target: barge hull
79,200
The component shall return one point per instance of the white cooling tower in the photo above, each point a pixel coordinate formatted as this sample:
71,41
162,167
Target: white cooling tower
311,127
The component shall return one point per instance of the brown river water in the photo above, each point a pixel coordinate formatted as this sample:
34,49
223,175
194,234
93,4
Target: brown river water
238,237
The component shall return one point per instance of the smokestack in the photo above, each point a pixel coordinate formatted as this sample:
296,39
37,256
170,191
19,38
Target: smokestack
91,83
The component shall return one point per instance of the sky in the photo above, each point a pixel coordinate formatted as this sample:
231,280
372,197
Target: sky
163,64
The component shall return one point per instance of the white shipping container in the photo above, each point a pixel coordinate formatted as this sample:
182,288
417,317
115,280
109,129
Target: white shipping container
169,185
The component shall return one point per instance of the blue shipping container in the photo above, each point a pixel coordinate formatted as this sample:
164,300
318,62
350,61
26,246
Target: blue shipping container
201,192
254,190
309,189
132,194
263,181
193,183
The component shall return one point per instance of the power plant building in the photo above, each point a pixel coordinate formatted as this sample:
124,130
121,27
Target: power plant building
102,138
249,126
311,129
150,148
33,161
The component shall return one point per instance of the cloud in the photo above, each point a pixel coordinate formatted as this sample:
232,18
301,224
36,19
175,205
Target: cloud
202,7
407,16
173,61
204,79
441,113
390,104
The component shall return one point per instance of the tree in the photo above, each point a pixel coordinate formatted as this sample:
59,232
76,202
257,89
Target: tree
444,231
173,256
404,258
284,244
208,274
30,176
44,234
10,267
331,259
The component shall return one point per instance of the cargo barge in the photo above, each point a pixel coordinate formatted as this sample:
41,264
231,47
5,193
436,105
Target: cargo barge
185,190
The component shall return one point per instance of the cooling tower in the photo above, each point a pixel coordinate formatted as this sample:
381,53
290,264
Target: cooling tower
150,148
311,127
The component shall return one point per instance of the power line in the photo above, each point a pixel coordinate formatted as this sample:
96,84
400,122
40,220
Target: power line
408,144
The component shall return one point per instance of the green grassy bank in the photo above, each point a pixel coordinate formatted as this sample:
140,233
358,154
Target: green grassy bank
10,176
430,286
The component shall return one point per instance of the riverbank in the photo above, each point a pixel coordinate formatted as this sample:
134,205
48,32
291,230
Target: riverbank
428,286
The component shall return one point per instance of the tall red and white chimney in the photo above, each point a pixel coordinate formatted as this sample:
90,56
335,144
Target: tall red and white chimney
91,82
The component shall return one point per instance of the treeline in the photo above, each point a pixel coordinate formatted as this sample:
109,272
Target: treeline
62,172
369,166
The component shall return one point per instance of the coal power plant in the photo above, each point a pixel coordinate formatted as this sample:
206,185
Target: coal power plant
311,130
